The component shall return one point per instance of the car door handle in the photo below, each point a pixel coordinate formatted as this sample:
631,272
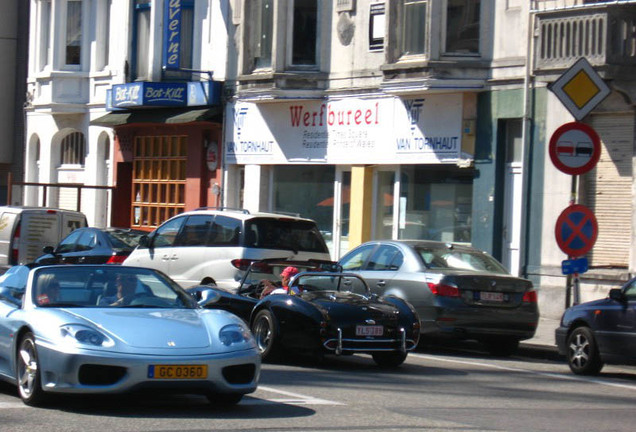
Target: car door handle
174,257
381,283
165,258
81,259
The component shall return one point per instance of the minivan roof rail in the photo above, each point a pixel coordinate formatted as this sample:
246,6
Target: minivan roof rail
244,211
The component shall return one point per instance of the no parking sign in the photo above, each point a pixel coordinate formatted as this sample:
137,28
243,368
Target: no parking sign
576,230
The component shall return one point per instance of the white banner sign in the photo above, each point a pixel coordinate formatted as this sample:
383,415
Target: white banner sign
352,131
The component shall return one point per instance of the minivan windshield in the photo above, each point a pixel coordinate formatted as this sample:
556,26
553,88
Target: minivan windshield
287,234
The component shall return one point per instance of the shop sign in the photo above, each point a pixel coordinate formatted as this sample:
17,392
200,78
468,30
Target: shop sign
172,34
149,94
370,131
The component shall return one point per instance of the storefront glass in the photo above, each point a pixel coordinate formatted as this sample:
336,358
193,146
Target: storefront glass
435,203
308,191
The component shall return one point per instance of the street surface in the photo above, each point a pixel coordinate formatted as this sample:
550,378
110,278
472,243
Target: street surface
456,388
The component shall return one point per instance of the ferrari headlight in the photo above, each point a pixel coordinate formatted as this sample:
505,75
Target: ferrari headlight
234,334
85,335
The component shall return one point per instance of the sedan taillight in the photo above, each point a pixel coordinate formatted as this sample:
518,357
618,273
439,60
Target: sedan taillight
443,290
530,296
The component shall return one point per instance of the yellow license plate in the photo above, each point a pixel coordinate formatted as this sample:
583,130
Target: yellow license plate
177,372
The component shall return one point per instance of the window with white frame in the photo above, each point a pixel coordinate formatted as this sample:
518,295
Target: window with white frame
73,32
261,15
141,39
44,29
463,26
376,26
304,31
414,28
73,149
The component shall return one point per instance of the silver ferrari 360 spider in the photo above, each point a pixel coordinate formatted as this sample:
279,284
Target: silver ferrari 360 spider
111,329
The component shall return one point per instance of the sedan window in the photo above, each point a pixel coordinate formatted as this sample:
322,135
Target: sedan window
445,258
630,290
356,259
386,258
68,243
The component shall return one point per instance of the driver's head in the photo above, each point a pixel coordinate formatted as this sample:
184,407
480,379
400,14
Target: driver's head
288,273
126,285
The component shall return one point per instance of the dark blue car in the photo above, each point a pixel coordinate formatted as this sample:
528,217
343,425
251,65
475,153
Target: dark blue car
600,331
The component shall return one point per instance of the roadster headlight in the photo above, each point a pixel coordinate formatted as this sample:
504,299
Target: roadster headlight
234,334
85,335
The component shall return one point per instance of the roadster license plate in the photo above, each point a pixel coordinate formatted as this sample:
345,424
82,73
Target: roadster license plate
178,372
491,296
369,330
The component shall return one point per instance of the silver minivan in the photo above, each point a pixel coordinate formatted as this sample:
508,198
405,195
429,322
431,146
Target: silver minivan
24,231
216,246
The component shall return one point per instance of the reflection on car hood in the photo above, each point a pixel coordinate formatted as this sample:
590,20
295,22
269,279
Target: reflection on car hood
150,328
349,304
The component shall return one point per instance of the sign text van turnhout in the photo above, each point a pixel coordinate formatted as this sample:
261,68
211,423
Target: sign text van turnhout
24,231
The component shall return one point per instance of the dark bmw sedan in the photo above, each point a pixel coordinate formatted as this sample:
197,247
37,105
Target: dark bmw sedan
93,246
600,331
458,291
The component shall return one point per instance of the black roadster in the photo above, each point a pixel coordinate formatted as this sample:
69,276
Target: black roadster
321,312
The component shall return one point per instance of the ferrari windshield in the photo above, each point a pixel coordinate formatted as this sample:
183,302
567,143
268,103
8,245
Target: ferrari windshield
106,286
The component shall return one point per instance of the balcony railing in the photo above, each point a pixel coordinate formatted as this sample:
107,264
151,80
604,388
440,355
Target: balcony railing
605,35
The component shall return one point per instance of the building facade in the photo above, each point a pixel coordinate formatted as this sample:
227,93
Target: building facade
423,119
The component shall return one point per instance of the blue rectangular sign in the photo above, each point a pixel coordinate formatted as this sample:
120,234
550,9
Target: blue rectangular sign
172,34
149,94
572,266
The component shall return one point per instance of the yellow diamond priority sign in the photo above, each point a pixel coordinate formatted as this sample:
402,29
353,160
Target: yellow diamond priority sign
580,89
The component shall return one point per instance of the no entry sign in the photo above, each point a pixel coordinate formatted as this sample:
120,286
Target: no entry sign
576,230
575,148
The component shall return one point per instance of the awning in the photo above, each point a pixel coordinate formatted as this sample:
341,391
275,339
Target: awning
168,116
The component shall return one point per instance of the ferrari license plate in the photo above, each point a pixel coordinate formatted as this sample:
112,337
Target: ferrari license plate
178,372
376,330
491,296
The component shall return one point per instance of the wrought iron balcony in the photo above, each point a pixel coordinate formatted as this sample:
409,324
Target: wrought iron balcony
605,34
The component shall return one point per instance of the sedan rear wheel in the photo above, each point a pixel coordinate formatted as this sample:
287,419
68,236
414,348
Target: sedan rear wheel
264,329
583,355
390,359
28,372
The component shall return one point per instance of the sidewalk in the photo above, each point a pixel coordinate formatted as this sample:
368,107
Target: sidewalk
544,337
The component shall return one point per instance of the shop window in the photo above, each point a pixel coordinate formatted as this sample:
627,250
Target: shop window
261,15
435,204
159,175
414,30
462,26
73,149
73,32
304,32
141,39
376,26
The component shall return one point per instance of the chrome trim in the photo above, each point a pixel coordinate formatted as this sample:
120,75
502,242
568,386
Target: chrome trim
406,344
403,340
339,347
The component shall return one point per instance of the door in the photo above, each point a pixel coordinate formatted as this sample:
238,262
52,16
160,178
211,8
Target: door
513,192
160,252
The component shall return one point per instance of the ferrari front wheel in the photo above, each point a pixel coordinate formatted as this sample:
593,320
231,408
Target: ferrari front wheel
28,372
265,332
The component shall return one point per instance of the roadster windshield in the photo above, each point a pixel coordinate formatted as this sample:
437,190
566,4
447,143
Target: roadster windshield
106,286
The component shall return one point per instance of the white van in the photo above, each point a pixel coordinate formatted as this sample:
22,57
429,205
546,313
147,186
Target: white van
217,245
24,231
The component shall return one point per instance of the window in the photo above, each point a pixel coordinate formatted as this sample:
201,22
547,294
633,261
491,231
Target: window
167,233
73,32
262,17
141,38
73,149
159,164
178,39
414,29
195,231
376,27
386,258
356,259
225,231
462,26
304,28
44,29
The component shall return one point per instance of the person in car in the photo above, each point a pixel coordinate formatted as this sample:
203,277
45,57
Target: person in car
283,288
126,288
48,289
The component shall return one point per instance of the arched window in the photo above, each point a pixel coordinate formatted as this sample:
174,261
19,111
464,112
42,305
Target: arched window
73,149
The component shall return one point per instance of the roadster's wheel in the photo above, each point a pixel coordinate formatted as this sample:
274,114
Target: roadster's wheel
265,332
390,359
224,400
583,355
28,372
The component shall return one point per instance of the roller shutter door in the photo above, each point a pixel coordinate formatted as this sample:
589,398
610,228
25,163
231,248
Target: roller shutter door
607,190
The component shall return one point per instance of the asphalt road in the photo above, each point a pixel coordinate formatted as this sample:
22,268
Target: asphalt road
458,388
